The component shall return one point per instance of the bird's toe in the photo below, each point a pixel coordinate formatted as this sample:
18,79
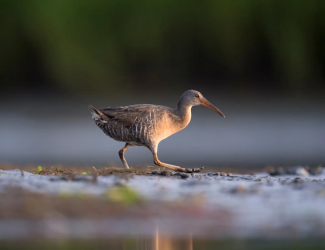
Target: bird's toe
194,170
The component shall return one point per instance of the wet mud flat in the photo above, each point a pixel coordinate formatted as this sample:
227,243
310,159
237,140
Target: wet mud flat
111,203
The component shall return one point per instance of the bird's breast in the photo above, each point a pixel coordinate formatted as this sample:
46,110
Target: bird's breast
170,124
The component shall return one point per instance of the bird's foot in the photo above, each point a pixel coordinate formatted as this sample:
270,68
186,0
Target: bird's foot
193,170
188,170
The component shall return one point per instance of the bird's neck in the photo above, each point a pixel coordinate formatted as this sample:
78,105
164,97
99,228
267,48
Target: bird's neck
183,111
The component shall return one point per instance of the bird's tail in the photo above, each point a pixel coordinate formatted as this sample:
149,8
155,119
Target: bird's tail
96,114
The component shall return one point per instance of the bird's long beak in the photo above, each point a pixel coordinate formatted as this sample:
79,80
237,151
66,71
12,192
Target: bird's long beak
211,106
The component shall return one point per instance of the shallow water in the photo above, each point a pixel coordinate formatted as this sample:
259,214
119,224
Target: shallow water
214,207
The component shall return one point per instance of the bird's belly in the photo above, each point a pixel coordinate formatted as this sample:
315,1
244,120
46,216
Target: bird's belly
161,135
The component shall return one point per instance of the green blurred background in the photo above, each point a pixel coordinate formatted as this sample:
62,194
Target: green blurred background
261,62
109,47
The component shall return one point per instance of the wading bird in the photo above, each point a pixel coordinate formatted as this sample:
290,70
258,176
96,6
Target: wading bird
146,125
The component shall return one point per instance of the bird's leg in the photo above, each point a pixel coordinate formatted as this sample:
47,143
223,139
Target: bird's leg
121,154
159,163
175,168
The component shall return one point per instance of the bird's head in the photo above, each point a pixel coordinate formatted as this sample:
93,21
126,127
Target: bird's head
195,98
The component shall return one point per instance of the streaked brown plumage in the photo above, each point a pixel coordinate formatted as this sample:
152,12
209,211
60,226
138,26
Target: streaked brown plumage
146,125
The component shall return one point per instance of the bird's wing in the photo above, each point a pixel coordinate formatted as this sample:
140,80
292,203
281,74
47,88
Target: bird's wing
129,115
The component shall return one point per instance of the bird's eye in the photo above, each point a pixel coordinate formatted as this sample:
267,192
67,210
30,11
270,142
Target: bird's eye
197,96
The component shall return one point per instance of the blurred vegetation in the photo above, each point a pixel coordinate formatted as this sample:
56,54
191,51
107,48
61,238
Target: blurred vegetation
98,46
123,194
